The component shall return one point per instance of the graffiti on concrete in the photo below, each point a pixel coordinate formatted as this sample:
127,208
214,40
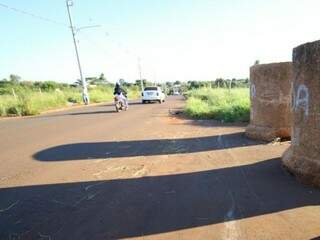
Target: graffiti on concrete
301,99
252,90
252,95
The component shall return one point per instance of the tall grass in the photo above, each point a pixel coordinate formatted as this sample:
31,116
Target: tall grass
30,102
221,104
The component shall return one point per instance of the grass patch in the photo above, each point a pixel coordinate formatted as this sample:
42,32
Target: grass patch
32,102
220,104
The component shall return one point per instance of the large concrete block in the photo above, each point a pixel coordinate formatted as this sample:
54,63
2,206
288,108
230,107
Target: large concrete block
303,157
270,101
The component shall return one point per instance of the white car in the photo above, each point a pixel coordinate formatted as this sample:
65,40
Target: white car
153,94
176,92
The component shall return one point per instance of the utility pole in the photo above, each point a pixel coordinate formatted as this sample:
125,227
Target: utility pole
139,66
85,93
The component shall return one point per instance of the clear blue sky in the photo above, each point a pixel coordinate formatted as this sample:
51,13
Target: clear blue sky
176,39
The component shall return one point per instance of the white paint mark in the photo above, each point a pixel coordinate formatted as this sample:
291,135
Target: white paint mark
43,236
58,202
79,201
231,227
9,207
253,91
92,196
93,185
301,99
86,197
17,222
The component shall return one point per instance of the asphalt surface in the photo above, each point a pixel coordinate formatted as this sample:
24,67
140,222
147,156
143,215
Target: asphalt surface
148,173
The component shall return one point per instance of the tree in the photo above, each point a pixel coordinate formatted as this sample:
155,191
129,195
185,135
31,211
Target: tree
14,78
100,80
220,82
78,82
102,77
144,81
193,84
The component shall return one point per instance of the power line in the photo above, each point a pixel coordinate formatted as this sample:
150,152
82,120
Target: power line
94,43
33,15
46,19
123,47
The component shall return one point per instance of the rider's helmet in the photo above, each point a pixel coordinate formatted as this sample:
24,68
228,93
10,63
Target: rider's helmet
120,81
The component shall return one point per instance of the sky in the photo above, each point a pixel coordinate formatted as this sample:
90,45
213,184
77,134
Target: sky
175,39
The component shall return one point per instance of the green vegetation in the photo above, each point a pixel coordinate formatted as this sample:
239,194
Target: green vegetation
183,87
229,105
222,99
30,98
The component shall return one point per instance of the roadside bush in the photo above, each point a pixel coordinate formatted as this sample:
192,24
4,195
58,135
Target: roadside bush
220,104
134,93
30,100
101,94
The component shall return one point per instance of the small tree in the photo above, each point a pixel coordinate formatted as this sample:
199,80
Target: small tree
78,82
100,80
14,78
102,77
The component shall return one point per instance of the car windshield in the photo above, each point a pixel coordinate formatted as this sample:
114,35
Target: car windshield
151,89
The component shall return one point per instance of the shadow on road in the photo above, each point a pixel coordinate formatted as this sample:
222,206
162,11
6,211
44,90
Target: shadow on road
81,151
112,104
150,205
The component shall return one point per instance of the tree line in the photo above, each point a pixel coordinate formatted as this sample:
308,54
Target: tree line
14,81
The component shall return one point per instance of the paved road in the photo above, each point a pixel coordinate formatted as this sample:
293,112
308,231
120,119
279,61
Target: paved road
90,173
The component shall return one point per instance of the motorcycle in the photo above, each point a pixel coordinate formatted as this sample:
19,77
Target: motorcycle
119,104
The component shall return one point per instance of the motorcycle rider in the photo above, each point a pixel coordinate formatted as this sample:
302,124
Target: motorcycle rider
121,93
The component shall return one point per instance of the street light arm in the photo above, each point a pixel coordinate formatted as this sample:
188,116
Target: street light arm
86,27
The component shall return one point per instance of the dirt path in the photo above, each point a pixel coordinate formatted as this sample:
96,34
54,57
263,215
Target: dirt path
91,173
